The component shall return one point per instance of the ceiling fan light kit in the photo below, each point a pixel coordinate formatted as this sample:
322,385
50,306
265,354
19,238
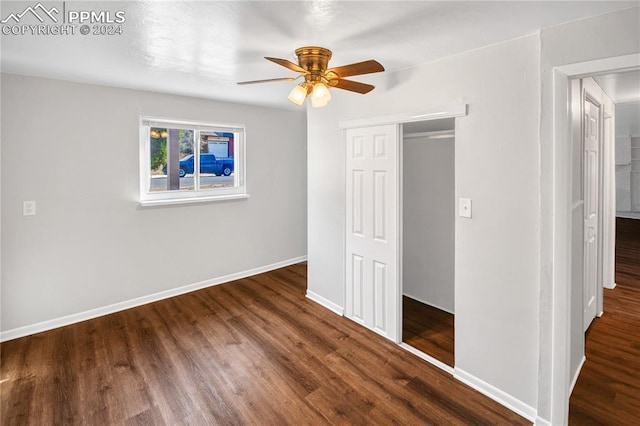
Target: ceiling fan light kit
320,95
298,94
313,62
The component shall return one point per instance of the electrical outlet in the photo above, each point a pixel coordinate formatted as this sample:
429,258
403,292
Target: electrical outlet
29,208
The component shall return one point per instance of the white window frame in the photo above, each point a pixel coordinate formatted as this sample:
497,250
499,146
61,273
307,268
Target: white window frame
238,191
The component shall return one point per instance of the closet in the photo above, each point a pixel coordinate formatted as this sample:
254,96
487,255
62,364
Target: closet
428,237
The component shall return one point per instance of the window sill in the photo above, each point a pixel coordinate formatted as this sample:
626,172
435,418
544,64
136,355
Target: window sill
193,200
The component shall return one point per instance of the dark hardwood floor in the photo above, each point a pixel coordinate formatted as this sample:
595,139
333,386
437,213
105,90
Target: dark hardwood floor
608,389
428,329
628,252
253,351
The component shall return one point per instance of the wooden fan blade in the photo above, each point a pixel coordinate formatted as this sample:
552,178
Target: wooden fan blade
359,68
268,80
287,64
352,86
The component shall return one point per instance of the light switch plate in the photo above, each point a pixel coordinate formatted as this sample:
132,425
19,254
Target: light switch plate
464,207
29,208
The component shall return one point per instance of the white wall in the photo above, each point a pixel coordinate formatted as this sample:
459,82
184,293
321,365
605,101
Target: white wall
605,36
73,148
429,221
497,165
635,174
628,119
627,126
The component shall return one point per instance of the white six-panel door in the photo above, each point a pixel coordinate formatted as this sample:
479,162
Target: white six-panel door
372,294
591,206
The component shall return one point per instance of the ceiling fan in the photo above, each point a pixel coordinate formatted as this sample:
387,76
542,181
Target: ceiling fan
313,64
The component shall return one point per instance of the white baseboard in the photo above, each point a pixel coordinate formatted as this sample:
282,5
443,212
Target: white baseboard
575,376
127,304
441,365
424,302
610,286
512,403
541,422
628,215
325,302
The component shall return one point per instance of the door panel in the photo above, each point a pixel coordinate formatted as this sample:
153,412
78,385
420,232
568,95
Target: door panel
372,238
357,285
380,295
591,203
380,205
357,201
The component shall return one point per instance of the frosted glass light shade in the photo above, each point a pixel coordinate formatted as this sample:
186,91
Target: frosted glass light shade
298,95
320,95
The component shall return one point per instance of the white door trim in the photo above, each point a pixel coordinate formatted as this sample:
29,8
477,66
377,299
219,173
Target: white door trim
450,111
558,381
609,201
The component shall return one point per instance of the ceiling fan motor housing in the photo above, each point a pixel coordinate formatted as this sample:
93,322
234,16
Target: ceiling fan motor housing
314,60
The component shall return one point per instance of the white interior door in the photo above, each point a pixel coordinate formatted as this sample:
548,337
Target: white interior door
591,203
372,294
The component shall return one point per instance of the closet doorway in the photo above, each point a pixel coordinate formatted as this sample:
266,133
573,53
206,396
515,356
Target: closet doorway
400,229
428,238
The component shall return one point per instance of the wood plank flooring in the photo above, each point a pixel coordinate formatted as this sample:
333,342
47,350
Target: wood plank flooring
628,252
428,329
254,351
608,389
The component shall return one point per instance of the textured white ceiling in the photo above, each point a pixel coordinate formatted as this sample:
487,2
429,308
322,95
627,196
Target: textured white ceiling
203,48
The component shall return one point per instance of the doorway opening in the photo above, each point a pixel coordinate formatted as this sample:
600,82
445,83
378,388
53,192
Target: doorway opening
428,237
624,89
561,335
616,96
374,239
603,182
593,207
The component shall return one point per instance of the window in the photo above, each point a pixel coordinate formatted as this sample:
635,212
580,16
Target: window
182,161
